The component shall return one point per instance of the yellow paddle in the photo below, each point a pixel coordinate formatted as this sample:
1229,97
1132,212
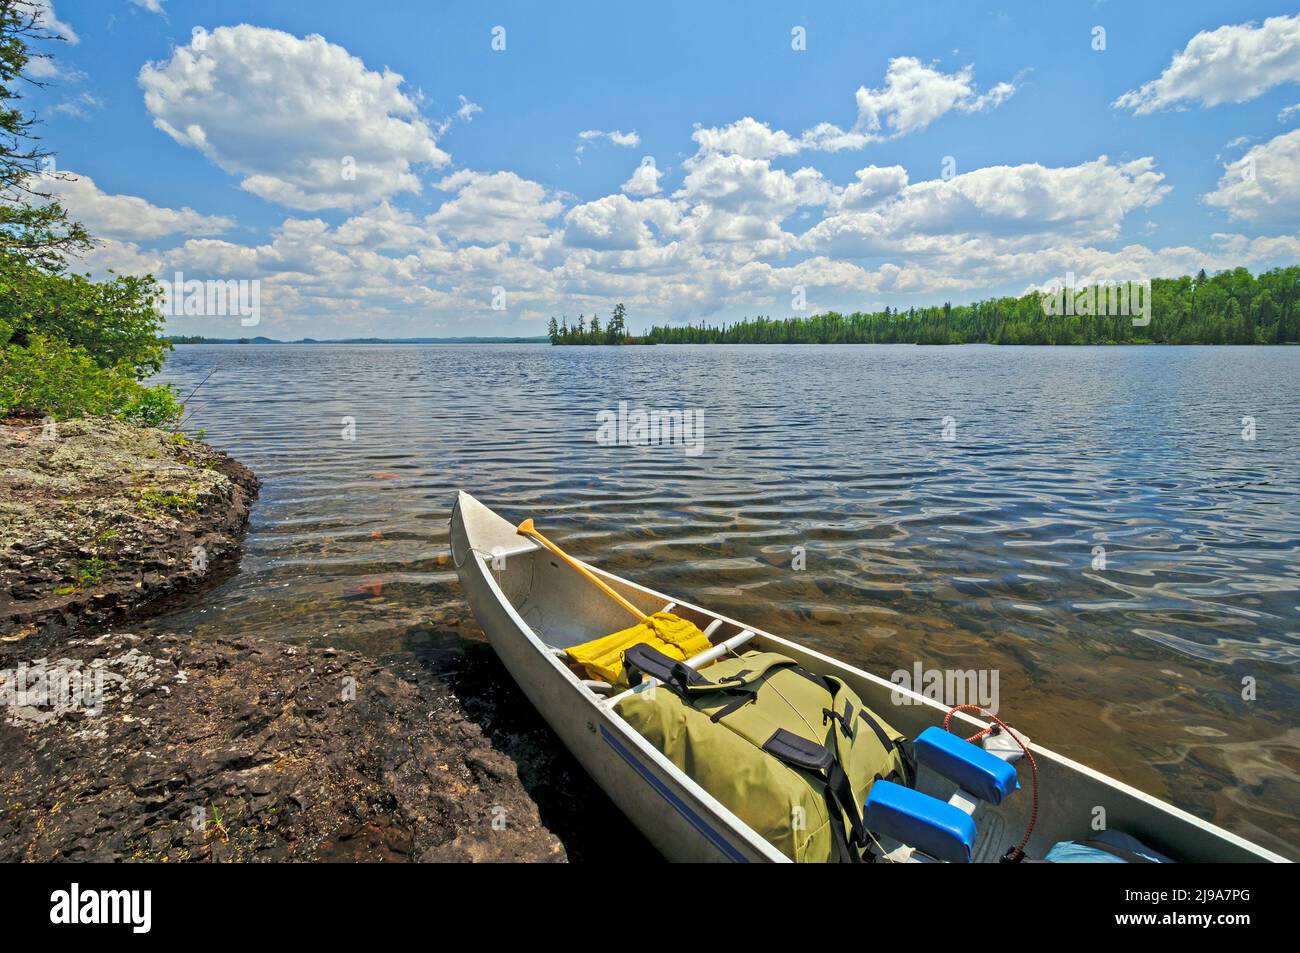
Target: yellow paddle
526,528
602,658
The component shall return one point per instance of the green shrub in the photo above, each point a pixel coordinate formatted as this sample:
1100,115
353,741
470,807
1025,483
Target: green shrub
51,377
90,572
70,346
155,406
116,320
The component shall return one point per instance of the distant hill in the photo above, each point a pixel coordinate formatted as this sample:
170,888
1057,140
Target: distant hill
199,339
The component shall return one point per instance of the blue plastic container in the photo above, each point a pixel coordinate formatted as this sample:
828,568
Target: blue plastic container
931,826
986,776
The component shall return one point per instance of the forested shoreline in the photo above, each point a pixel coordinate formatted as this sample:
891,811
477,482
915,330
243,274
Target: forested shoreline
1231,307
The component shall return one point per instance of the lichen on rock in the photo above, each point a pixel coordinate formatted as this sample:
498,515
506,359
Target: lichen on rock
99,518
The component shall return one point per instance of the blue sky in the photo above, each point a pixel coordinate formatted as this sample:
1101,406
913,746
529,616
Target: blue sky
220,156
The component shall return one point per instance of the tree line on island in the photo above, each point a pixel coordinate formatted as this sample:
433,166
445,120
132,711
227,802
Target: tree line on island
582,332
1231,307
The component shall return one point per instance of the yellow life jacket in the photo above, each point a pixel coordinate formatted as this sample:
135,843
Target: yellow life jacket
673,636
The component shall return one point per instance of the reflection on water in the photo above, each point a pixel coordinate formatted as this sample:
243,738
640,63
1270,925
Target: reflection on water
976,552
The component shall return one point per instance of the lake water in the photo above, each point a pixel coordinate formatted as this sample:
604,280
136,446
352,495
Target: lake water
1089,523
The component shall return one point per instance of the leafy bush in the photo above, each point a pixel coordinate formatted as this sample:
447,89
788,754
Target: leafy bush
116,321
154,406
53,377
72,347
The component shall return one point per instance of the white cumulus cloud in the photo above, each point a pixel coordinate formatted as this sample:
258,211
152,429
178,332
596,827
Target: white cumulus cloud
748,138
493,207
644,180
1012,203
613,222
913,97
1232,64
127,216
301,119
1263,186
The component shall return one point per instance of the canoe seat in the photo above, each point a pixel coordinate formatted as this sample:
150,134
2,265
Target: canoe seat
594,685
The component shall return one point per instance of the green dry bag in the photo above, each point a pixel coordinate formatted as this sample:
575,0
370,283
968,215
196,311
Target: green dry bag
791,753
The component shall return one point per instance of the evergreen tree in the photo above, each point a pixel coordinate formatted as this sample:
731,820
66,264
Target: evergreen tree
617,329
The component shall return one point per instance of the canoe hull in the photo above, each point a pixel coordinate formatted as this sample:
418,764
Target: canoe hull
527,604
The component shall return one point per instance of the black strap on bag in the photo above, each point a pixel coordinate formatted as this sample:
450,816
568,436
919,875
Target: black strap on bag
905,750
744,695
837,781
886,741
823,760
642,659
844,720
909,763
799,752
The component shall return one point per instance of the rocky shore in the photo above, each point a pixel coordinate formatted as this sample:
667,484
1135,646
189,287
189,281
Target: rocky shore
117,746
99,519
161,748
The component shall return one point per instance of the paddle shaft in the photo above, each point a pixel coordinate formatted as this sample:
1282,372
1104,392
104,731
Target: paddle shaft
526,528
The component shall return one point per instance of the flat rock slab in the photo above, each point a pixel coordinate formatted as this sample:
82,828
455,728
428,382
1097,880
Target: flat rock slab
122,747
100,519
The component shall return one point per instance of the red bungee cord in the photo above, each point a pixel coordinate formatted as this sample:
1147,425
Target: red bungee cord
1019,851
